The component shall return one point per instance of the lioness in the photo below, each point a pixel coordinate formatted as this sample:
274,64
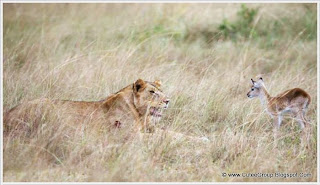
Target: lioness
136,105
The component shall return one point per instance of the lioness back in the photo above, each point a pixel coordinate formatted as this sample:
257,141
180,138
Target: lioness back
27,117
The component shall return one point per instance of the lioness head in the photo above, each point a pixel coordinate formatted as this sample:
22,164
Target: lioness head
149,98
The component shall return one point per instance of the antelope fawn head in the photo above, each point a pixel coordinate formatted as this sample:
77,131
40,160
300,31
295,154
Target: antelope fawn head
256,88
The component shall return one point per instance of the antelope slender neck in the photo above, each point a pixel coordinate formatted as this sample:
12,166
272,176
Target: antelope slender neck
264,96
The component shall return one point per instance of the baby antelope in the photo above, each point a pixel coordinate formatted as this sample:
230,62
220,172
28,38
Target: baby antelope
294,101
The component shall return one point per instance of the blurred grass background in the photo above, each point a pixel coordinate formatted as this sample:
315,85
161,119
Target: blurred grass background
205,55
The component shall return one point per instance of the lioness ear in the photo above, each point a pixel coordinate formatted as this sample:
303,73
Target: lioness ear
158,83
252,81
139,84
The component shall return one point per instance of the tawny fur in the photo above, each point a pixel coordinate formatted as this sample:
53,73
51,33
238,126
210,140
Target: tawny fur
134,106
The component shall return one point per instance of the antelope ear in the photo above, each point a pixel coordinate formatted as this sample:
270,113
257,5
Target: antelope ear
158,83
252,81
138,85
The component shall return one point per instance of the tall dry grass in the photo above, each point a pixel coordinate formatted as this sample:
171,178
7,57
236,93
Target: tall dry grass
88,51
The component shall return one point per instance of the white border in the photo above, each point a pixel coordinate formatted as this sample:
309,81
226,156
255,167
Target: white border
1,83
164,1
318,86
159,1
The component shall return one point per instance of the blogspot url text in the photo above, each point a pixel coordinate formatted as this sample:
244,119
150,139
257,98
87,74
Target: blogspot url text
267,175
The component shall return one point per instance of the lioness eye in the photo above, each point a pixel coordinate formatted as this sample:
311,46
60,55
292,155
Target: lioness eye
151,92
252,89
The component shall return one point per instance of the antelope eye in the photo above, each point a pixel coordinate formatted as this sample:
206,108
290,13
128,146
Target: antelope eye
152,92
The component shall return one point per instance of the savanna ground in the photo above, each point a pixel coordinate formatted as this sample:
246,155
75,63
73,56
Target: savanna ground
205,55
